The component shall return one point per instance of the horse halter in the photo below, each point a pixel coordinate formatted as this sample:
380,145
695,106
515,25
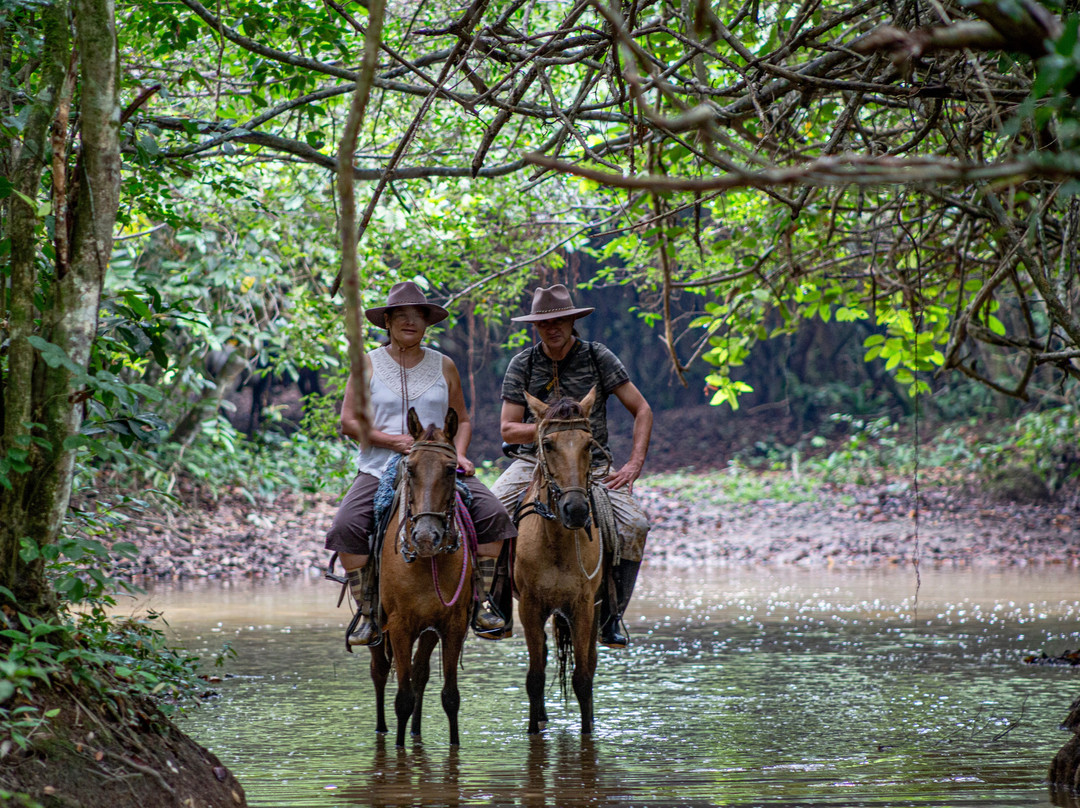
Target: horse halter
555,491
409,551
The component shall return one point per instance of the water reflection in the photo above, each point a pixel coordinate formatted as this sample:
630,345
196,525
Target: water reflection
562,771
402,778
771,688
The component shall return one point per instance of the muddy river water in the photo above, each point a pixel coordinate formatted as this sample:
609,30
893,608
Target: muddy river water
743,687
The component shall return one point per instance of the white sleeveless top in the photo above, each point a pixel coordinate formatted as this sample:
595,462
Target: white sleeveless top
428,393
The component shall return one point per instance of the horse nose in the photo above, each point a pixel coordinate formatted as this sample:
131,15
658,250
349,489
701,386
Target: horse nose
427,535
574,510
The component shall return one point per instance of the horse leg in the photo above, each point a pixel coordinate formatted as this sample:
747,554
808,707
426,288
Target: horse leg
380,671
532,621
405,700
543,704
584,639
421,673
451,697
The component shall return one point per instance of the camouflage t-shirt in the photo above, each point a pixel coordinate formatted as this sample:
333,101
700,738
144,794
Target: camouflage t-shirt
588,364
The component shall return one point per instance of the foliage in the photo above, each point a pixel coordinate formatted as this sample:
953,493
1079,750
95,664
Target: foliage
86,647
732,484
113,658
1043,441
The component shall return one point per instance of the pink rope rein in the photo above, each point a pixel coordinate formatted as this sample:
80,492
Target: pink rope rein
465,525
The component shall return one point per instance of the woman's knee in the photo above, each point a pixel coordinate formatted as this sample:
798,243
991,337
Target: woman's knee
353,561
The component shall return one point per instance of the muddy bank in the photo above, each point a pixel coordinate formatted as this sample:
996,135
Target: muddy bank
693,524
862,526
110,753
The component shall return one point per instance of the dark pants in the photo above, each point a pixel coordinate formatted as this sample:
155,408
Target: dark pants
355,518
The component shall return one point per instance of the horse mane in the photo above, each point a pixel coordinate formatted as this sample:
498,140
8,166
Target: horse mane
429,433
564,409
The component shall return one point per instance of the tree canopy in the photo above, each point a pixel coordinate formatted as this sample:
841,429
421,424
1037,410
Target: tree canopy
747,167
906,164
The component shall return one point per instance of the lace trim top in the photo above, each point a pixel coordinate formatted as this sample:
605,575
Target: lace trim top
428,393
418,379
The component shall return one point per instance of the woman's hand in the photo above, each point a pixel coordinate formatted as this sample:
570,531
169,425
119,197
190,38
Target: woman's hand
400,443
465,466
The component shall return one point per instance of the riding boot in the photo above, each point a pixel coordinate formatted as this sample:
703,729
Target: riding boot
502,592
362,588
613,632
487,621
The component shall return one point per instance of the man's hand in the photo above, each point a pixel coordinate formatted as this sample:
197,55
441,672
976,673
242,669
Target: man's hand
465,466
624,476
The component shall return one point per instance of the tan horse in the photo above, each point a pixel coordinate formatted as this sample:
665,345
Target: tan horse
426,583
557,559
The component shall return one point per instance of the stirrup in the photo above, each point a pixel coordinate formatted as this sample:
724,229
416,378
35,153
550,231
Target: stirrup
614,634
362,631
488,623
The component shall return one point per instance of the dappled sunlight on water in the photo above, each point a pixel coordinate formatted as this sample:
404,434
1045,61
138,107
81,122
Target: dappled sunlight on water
742,687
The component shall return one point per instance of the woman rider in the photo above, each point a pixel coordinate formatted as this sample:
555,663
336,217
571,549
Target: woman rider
405,374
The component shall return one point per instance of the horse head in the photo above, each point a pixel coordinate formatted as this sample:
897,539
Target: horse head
430,478
564,443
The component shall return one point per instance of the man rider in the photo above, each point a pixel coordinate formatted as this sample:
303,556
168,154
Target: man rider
562,364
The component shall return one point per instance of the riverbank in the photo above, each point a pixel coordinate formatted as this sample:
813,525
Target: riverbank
712,518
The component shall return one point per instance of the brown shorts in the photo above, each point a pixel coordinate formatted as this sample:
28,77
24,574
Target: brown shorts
355,518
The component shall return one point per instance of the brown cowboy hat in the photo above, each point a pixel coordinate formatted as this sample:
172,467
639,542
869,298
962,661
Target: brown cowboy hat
551,303
406,293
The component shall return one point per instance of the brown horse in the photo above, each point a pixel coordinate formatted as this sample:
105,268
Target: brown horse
557,559
426,584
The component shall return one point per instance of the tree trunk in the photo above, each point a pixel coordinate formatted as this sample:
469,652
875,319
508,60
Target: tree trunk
42,405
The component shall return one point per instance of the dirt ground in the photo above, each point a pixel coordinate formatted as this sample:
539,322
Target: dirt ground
851,525
694,521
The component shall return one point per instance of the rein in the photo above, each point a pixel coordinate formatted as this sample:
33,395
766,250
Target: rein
463,521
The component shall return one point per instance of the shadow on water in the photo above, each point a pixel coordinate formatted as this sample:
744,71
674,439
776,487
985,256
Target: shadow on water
742,688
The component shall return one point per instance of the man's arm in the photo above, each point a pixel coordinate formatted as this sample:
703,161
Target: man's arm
638,407
512,426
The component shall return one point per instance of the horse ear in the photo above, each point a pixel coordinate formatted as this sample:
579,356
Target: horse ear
587,403
538,407
416,429
451,425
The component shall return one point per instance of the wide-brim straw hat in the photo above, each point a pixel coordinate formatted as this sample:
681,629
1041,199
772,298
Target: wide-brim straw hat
550,304
406,293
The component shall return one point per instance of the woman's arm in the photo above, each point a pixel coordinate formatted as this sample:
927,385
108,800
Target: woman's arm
463,437
350,424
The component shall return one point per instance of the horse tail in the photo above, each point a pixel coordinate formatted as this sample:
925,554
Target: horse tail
564,651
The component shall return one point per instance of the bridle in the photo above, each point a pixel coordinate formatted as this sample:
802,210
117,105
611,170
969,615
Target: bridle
555,492
409,550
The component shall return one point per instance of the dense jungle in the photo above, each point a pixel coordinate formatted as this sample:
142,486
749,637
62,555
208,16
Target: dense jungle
835,245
